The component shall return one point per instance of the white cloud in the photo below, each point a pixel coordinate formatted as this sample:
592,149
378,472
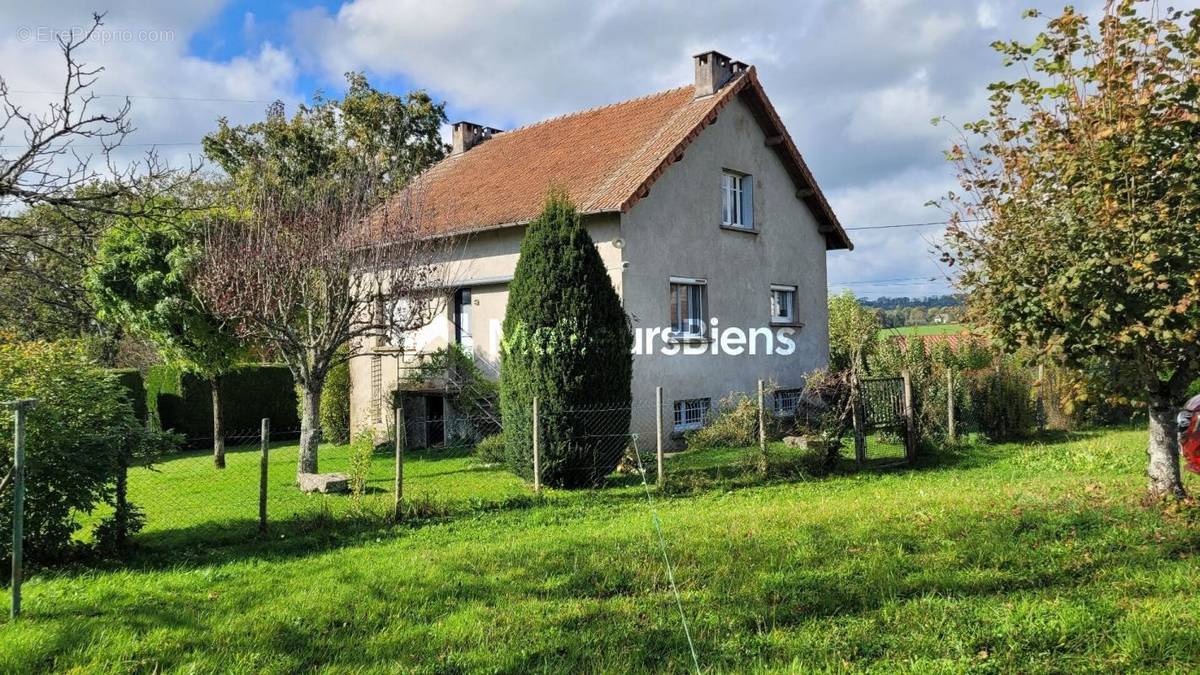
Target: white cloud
985,15
143,49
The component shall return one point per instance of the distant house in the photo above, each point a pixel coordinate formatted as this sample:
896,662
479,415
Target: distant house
711,226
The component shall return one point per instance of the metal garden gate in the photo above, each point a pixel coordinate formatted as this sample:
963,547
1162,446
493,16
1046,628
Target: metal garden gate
883,404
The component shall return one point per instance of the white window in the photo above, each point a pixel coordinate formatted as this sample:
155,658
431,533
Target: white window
783,304
787,401
688,307
690,413
737,200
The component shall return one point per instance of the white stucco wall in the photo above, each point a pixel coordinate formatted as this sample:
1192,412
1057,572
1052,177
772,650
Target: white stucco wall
675,231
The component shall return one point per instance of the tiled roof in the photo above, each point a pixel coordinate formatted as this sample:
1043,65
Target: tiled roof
605,158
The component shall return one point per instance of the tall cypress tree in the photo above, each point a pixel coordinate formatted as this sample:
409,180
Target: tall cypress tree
567,341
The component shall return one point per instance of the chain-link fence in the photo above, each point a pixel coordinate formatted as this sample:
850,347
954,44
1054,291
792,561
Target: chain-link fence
449,465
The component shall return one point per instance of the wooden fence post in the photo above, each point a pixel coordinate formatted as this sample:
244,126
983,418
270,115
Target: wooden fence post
19,409
951,432
910,438
537,455
856,416
762,428
263,465
401,441
658,419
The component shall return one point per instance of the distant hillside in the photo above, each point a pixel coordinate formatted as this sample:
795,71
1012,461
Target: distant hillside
930,310
926,302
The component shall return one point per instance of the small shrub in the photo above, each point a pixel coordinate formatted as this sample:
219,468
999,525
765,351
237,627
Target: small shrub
734,425
490,450
999,402
362,450
79,435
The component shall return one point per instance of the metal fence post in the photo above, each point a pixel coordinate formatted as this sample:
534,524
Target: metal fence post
263,464
18,476
910,437
951,432
762,428
401,439
658,420
537,459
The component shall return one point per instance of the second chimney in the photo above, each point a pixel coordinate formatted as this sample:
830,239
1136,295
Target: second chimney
467,135
713,70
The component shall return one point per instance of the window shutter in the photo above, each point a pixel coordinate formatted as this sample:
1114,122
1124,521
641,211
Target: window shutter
748,202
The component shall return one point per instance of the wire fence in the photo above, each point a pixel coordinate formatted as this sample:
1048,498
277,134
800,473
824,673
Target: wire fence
453,464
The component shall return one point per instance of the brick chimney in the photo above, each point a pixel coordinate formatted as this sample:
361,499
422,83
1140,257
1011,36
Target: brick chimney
713,70
468,135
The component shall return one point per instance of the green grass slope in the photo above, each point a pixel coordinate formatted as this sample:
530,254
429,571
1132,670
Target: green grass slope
1028,557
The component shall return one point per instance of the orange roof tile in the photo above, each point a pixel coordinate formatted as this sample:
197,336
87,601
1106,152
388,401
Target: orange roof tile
605,158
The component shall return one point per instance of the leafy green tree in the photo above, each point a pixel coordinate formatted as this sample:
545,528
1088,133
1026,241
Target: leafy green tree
567,342
1077,227
368,136
853,329
140,280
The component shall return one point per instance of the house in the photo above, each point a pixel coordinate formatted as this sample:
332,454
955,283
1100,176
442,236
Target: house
709,222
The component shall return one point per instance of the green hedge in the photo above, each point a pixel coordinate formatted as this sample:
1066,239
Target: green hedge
135,388
183,402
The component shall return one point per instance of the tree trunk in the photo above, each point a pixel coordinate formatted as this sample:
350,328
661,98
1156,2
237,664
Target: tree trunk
310,427
1163,450
218,424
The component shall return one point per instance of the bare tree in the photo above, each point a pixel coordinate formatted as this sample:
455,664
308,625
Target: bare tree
60,185
307,271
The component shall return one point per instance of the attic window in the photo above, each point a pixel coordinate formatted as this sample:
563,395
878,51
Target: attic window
737,200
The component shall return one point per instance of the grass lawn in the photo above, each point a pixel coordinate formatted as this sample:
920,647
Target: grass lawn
931,329
1028,557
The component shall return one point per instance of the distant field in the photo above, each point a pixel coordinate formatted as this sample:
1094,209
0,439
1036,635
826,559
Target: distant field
931,329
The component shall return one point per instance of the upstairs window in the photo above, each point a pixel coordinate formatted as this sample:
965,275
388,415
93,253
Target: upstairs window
688,307
737,200
690,413
783,304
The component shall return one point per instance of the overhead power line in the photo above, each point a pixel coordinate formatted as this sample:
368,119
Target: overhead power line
925,224
149,96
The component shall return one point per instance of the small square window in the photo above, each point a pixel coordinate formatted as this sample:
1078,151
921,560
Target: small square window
691,413
737,200
783,304
688,307
787,402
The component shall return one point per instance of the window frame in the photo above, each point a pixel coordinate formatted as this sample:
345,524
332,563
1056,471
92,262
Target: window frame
737,201
680,413
701,322
790,319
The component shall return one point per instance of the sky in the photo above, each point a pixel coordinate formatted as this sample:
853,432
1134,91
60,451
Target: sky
856,81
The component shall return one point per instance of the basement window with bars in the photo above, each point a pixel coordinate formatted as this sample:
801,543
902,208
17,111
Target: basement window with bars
787,402
690,413
737,200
